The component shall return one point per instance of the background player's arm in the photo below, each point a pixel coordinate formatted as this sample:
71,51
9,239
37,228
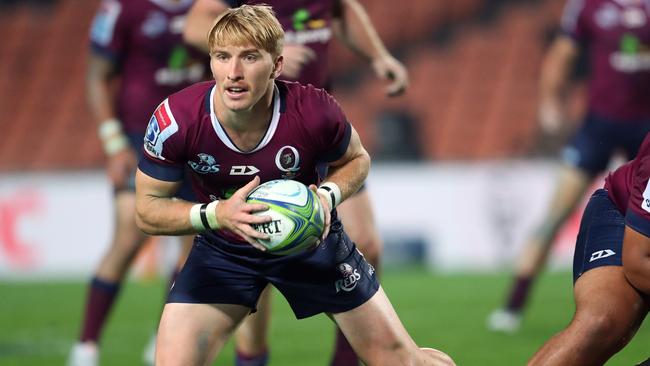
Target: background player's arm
355,29
554,79
199,19
636,259
100,77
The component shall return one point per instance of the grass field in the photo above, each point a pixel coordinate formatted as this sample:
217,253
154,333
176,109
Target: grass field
39,321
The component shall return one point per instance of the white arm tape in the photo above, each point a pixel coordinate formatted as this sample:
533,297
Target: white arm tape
195,217
203,216
113,139
332,192
211,213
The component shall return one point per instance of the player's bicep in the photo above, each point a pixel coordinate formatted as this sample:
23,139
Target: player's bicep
148,187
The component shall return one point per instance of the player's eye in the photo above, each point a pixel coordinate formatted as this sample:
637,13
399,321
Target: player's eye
250,58
221,56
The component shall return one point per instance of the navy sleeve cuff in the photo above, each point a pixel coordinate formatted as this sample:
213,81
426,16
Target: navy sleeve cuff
340,150
161,172
637,222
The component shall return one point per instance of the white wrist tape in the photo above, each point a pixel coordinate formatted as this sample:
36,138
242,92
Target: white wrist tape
332,192
113,139
203,216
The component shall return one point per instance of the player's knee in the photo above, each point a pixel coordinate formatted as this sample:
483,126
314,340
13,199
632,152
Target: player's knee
435,357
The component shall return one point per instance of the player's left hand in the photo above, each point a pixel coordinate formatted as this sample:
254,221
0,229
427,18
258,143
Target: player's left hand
388,68
324,203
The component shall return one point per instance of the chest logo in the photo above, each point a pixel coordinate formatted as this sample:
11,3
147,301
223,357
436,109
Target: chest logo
288,161
207,164
243,170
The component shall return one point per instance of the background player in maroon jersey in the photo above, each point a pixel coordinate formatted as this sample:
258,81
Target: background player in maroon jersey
616,37
138,58
243,119
310,27
610,270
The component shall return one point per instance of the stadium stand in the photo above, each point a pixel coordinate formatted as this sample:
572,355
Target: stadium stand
474,66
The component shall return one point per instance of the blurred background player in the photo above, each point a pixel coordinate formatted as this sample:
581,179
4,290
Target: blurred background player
609,308
137,59
616,35
309,27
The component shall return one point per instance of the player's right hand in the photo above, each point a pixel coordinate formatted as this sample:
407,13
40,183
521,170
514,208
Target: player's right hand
235,215
121,166
296,56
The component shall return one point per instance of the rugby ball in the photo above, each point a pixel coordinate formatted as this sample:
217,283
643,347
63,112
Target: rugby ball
296,212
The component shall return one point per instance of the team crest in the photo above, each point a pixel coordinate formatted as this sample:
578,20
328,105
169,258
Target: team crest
288,161
207,164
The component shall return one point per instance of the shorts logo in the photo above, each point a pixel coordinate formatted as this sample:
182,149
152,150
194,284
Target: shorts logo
207,164
350,278
601,254
161,126
288,161
645,204
243,170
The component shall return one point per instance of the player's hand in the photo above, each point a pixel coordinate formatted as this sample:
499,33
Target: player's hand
324,203
550,116
296,56
235,215
121,166
389,69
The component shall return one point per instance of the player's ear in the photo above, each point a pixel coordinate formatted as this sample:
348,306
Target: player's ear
277,67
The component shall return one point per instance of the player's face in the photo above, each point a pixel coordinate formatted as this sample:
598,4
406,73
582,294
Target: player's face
243,74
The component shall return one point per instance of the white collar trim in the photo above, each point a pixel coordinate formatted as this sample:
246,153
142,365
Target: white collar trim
223,136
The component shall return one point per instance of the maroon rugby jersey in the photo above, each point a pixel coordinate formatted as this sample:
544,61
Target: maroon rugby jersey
617,34
305,22
307,128
144,39
629,188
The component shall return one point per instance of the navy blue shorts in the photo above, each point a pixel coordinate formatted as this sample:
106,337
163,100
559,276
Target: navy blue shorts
595,142
600,239
184,192
332,278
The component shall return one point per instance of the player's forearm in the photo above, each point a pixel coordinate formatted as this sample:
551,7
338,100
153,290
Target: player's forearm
556,68
163,215
350,176
199,20
99,77
356,31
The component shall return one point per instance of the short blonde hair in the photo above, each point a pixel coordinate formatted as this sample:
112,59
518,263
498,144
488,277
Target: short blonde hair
248,24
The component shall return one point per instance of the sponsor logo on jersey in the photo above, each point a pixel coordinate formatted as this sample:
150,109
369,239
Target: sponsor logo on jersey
632,56
103,27
645,204
207,164
307,30
601,254
155,24
161,126
350,278
243,170
287,159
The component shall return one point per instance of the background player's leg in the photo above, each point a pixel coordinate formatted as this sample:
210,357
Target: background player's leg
608,313
252,346
104,287
193,334
379,338
359,222
570,188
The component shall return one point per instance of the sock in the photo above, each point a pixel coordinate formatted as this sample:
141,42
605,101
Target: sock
255,360
519,294
344,355
101,295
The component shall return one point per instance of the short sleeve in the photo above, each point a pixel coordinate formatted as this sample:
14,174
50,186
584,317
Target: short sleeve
164,147
332,130
234,3
573,21
109,30
638,209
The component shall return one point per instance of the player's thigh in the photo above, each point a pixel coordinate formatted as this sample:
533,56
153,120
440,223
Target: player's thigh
607,306
192,334
357,216
251,334
376,333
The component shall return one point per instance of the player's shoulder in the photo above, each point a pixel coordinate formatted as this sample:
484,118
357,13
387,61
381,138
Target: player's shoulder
191,103
304,95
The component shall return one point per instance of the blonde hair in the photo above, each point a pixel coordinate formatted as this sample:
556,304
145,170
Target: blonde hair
248,24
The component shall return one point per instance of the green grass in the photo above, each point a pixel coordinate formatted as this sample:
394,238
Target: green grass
40,321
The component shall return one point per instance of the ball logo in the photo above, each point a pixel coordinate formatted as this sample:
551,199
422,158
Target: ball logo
270,228
207,164
288,161
350,278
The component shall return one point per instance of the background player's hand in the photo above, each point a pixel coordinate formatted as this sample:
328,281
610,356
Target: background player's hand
328,215
235,215
550,116
389,69
296,56
121,166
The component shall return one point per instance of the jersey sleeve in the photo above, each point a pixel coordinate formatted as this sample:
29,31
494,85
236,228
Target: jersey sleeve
109,30
234,3
573,22
332,130
164,146
638,210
